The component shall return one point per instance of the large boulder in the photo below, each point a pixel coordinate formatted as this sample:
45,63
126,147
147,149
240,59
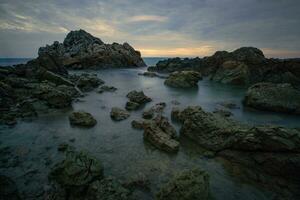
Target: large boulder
183,79
217,133
273,97
189,184
82,119
81,50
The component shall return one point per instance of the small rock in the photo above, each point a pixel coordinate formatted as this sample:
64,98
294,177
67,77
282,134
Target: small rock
106,88
119,114
132,105
222,112
137,124
82,119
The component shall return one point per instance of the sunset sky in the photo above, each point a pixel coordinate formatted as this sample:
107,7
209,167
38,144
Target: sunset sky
163,28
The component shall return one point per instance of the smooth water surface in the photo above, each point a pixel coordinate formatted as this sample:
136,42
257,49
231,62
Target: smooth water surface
33,143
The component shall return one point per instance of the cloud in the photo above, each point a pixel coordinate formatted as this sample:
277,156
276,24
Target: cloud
143,18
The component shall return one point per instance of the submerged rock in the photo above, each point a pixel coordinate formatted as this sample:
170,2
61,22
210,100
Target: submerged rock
78,169
82,119
189,184
106,88
183,79
119,114
8,189
132,105
137,124
273,97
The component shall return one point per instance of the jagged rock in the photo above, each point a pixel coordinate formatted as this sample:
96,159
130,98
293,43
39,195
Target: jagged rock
138,97
157,108
78,169
81,50
87,82
132,105
183,79
273,97
8,189
119,114
160,133
106,88
189,184
82,119
137,124
217,133
54,78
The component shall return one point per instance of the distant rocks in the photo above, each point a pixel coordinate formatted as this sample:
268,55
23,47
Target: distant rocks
183,79
119,114
136,99
273,97
81,118
244,66
81,50
189,184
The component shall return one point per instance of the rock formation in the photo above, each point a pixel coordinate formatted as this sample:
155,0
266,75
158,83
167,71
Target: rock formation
183,79
81,50
81,118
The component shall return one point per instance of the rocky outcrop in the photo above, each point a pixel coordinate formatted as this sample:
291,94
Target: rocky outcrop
160,133
119,114
273,97
244,66
82,119
81,50
136,100
217,133
183,79
189,184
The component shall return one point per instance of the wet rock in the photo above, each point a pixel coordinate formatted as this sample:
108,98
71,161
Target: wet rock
137,124
119,114
132,105
156,109
87,82
222,112
8,189
183,79
273,97
175,102
78,169
54,78
160,133
107,189
106,88
81,50
151,74
189,184
229,105
138,97
82,119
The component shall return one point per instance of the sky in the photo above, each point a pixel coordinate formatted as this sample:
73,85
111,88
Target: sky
157,28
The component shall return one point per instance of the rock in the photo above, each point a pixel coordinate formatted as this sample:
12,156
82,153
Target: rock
273,97
82,119
132,105
81,50
189,184
8,189
138,97
175,114
222,112
217,133
156,109
160,133
183,79
119,114
137,124
87,82
63,147
233,72
106,88
229,105
54,78
107,189
78,169
151,75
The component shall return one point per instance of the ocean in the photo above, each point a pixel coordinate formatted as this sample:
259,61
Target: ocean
150,61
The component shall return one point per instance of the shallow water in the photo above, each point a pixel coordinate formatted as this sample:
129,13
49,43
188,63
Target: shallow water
122,149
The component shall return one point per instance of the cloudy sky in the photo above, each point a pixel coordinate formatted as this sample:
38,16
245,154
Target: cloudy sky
155,27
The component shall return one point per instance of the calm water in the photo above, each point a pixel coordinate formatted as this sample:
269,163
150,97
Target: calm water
122,149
